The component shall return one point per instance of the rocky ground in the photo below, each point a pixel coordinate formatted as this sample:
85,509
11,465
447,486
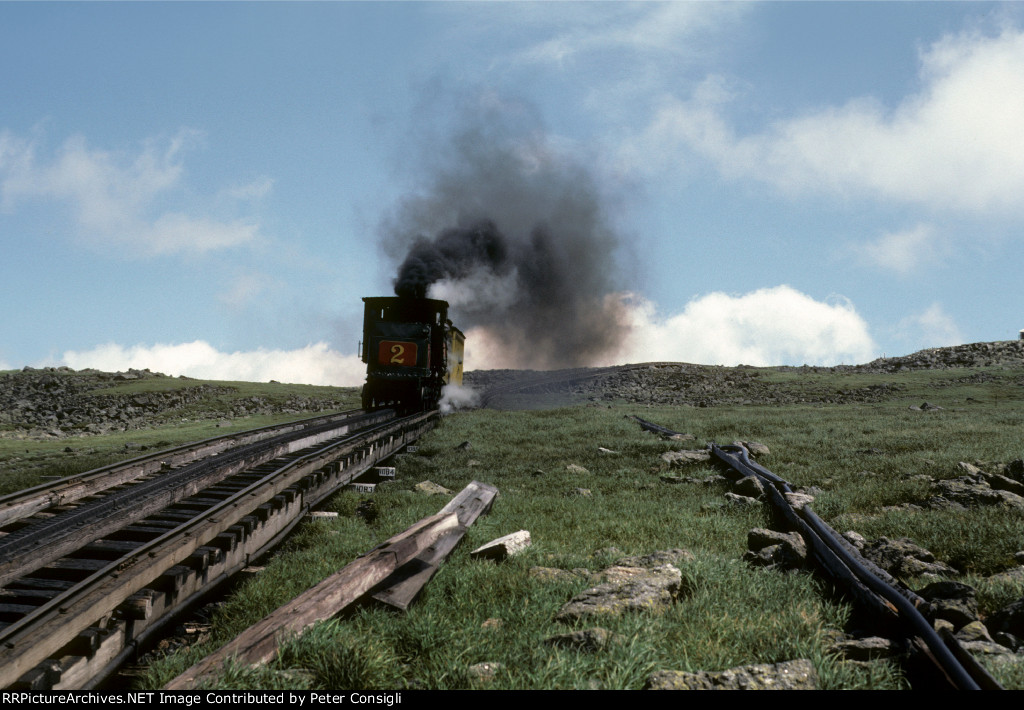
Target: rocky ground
60,402
705,385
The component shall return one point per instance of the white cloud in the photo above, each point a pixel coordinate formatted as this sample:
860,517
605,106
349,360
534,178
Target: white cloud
673,27
955,144
119,199
314,364
932,328
770,326
903,252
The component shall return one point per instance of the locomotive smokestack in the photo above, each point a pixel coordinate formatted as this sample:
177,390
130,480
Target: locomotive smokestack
512,233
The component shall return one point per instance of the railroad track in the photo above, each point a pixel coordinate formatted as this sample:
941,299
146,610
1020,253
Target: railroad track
94,565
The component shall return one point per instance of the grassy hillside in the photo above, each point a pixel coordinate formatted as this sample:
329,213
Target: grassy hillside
873,462
57,422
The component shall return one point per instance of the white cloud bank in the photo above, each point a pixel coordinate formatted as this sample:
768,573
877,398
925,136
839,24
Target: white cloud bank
314,364
120,198
770,326
955,144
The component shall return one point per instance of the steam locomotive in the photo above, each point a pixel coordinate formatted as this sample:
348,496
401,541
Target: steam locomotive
411,351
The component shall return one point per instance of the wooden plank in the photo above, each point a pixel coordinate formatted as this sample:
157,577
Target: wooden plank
402,587
471,502
258,644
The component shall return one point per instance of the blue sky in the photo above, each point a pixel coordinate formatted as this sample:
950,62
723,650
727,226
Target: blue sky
204,188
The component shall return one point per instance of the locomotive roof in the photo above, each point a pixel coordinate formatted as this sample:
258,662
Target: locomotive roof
392,300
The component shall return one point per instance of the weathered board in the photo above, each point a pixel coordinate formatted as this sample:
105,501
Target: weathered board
258,644
402,587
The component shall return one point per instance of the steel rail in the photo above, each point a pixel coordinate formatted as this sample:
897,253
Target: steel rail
49,628
30,501
36,545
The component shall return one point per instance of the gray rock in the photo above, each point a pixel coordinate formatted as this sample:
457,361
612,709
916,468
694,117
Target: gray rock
970,491
431,489
740,501
985,648
503,547
775,550
855,539
645,590
798,500
867,649
1008,641
749,486
968,468
683,458
791,675
1009,619
484,672
902,558
1004,483
974,631
953,601
754,447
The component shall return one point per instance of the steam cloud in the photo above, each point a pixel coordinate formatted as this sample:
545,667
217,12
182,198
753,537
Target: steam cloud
513,235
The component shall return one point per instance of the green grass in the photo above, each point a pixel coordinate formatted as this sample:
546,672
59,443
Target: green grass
870,460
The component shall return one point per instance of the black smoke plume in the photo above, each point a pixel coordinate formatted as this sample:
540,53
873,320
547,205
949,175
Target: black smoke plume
514,234
454,254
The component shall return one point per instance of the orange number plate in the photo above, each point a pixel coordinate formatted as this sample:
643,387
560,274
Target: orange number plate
397,352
